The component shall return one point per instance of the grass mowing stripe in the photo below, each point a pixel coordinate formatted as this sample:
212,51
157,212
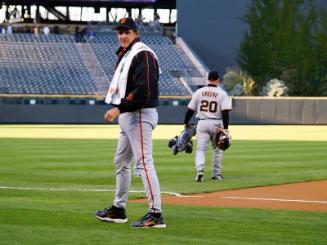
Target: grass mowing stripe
74,163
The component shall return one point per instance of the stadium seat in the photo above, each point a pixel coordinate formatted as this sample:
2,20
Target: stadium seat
52,64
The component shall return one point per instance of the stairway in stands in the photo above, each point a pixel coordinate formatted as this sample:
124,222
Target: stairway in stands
92,64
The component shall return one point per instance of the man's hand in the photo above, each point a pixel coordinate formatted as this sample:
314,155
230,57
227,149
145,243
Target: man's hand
110,115
226,130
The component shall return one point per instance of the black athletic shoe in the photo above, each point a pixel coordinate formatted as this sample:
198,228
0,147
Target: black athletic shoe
113,214
218,177
148,221
199,177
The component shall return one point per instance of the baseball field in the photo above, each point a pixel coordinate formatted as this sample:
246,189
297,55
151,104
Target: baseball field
54,177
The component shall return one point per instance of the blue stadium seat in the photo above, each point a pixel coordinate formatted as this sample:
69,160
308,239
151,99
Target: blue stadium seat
40,64
170,58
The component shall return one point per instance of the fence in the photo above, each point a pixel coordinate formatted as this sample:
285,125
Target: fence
246,110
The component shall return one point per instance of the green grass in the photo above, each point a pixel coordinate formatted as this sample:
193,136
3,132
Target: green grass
38,217
73,163
57,217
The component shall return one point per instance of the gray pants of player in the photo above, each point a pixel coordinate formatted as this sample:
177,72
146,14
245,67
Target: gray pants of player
135,140
206,132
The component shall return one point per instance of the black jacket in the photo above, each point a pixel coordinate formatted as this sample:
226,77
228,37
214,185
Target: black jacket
142,89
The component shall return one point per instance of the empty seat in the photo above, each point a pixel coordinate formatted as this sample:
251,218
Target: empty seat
53,65
39,65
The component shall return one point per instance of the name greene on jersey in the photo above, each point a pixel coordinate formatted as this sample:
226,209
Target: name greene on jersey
209,94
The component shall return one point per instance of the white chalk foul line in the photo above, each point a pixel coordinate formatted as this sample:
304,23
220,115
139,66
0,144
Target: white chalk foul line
57,189
85,190
163,192
274,199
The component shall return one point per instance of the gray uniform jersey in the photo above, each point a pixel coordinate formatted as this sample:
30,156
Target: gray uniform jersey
208,102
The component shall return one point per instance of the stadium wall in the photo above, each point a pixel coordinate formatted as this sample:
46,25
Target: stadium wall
246,110
214,29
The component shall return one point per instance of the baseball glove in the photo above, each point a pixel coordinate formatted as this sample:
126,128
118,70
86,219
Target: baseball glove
223,139
183,142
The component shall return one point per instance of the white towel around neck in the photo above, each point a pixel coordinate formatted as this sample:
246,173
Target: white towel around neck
118,83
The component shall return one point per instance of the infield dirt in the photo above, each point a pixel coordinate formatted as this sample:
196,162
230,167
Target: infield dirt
306,196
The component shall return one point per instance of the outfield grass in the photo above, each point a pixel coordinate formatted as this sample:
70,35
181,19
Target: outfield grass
67,217
72,163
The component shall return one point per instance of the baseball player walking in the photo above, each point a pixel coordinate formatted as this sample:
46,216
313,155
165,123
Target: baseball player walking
134,93
212,107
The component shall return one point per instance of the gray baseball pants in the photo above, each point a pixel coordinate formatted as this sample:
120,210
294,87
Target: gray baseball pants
206,132
135,140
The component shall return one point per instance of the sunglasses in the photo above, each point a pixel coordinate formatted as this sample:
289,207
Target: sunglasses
121,32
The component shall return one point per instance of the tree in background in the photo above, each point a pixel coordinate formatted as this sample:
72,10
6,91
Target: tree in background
274,88
237,82
248,86
286,40
320,86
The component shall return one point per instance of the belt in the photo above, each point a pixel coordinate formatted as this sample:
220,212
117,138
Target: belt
209,118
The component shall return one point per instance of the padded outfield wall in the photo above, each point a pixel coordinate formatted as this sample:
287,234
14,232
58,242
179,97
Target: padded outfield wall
246,110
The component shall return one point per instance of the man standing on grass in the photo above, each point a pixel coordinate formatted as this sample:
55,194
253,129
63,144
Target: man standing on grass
134,93
212,107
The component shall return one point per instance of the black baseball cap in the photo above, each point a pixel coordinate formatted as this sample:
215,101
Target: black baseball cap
126,23
213,75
